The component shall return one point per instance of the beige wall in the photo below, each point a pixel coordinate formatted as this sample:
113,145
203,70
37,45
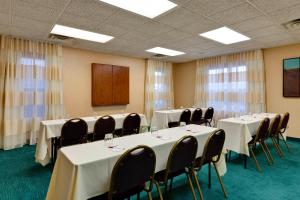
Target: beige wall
275,101
184,84
77,82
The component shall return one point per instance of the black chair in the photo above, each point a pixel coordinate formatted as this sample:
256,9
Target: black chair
74,131
103,125
211,154
196,116
180,161
282,129
273,134
184,117
259,138
208,116
130,174
131,124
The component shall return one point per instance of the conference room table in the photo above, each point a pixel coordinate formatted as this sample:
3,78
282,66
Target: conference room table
239,130
50,129
83,171
161,118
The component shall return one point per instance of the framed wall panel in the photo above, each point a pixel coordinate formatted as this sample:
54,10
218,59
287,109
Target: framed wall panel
291,77
110,85
120,85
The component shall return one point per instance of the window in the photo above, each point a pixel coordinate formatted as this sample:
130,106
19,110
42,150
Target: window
227,88
33,84
160,88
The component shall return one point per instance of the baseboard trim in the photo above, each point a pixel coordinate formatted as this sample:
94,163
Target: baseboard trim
293,139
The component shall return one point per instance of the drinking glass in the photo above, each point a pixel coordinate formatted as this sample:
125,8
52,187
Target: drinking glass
108,139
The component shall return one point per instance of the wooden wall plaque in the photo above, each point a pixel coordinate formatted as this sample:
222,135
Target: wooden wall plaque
110,85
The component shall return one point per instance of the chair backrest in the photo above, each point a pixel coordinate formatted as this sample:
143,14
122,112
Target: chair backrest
182,155
209,113
284,122
262,130
103,125
197,115
185,116
133,169
213,147
274,127
74,131
131,124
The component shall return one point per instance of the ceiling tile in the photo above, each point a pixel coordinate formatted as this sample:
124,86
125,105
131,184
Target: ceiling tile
154,28
209,7
108,29
178,18
287,14
236,14
271,5
171,37
90,9
4,29
201,25
5,6
4,19
57,4
265,31
34,11
274,37
22,22
126,20
78,22
253,24
27,33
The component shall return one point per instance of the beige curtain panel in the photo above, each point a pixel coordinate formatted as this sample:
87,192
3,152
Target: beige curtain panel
158,87
30,89
232,84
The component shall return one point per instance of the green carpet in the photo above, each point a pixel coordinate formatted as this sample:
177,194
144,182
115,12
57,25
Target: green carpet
21,178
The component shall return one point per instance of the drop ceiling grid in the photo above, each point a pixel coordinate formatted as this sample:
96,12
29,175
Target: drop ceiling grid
178,28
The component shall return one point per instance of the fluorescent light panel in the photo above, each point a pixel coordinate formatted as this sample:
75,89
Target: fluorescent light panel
147,8
80,34
225,35
164,51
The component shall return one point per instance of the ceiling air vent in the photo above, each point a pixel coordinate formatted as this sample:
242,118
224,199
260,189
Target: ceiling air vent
58,37
159,56
292,25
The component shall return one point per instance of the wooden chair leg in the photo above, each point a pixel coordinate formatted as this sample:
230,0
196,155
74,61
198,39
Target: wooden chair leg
268,151
279,148
198,184
149,195
158,189
285,142
220,180
276,147
255,160
265,153
191,185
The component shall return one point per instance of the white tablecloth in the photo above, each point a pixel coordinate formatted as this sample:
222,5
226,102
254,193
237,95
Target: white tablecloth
83,171
161,118
52,128
239,131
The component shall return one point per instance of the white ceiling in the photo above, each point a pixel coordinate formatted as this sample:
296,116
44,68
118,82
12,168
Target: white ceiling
177,29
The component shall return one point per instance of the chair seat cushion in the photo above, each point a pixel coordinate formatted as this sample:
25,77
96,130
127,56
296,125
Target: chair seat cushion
160,176
173,124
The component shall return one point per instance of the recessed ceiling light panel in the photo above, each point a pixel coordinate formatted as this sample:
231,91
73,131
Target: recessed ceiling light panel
80,34
225,35
147,8
164,51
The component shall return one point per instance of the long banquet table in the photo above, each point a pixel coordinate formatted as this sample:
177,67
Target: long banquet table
52,128
239,130
83,171
161,118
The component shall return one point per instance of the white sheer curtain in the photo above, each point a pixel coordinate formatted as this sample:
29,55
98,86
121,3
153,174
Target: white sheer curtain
30,89
158,87
232,84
